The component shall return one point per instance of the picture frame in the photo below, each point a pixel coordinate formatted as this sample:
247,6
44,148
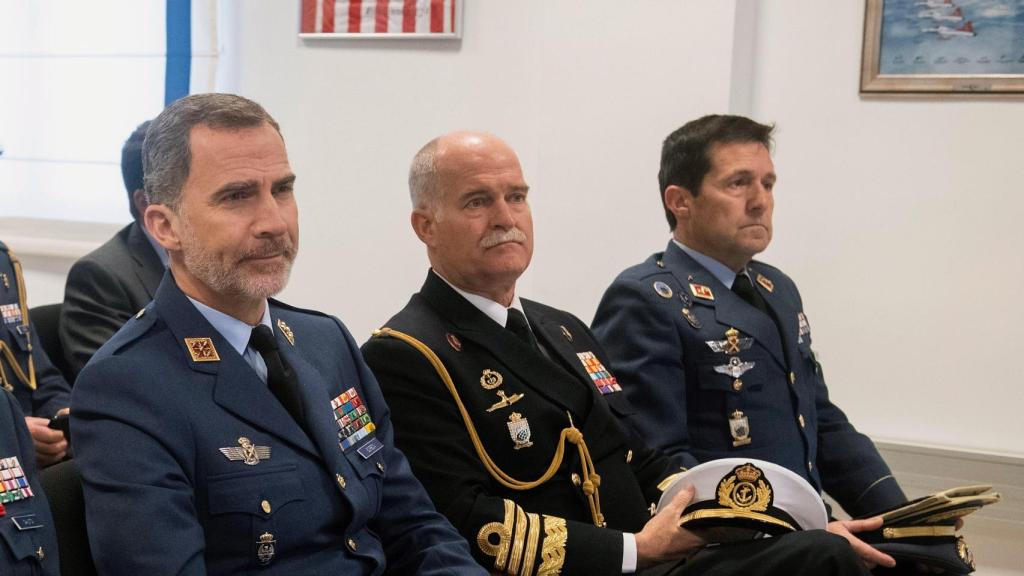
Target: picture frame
380,19
956,47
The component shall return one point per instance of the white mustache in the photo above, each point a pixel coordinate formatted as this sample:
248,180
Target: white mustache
500,237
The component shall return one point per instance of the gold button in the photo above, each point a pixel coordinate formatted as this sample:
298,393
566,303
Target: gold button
352,545
801,420
380,466
265,506
629,456
39,553
575,479
737,384
341,480
792,377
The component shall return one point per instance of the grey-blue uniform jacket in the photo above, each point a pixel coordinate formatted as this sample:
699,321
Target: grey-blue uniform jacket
660,322
28,541
190,464
25,369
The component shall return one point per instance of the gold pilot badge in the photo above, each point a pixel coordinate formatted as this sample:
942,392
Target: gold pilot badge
490,379
739,427
286,331
265,548
745,488
732,344
519,429
202,350
247,452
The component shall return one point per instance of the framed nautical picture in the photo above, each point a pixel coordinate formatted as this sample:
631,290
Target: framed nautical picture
365,19
943,47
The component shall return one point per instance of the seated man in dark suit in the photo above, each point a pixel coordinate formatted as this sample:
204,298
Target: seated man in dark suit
25,369
107,286
507,413
219,431
28,540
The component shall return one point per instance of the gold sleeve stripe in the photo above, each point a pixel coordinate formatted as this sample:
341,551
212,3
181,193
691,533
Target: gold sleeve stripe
531,545
518,541
553,551
499,549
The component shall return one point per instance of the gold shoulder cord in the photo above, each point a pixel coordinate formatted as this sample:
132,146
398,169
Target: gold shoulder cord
591,479
30,378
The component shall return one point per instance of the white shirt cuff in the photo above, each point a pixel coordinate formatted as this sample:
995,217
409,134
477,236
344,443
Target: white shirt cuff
628,553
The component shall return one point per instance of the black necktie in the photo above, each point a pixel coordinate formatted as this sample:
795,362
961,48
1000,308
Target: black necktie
280,377
516,324
744,289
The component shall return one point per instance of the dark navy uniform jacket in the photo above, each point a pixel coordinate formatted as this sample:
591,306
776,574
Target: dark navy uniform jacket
28,542
668,370
162,497
546,528
23,362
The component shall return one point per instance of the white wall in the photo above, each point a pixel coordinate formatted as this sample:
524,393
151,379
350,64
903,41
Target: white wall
901,222
583,90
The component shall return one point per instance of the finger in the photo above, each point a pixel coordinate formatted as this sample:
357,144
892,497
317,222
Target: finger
959,524
51,448
681,500
855,526
870,555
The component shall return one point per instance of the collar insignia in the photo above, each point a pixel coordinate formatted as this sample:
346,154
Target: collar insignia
565,332
702,291
202,350
454,341
766,283
248,453
286,331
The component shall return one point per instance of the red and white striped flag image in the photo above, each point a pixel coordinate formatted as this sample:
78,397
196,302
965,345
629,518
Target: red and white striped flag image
378,17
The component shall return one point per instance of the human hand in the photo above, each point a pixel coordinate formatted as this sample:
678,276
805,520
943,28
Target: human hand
662,539
50,445
869,555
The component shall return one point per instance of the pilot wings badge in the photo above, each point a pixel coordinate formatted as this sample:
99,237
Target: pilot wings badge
732,344
248,452
735,367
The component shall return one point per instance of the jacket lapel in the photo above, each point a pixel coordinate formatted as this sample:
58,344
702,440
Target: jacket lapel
730,309
237,388
149,269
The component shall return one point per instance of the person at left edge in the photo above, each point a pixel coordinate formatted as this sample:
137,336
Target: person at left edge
243,434
28,542
25,369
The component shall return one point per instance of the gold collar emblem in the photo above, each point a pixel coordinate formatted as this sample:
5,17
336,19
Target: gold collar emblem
202,350
286,331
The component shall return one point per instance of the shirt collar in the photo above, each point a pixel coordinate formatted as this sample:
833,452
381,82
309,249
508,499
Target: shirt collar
161,252
233,330
720,271
490,308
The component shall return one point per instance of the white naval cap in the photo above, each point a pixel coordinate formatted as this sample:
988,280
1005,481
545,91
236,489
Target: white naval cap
749,494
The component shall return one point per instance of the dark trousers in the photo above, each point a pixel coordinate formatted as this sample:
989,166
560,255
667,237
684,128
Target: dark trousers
811,552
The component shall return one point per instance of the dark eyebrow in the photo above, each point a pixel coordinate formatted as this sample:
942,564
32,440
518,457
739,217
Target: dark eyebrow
233,188
287,180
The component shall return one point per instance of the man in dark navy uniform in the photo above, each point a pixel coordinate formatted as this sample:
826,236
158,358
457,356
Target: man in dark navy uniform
28,542
25,369
508,413
714,348
219,431
109,285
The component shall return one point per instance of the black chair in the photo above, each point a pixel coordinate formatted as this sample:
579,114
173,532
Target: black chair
63,486
46,320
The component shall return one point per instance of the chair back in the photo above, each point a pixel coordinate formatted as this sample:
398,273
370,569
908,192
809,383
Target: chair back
63,486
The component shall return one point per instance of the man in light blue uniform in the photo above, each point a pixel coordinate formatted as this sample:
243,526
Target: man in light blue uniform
714,348
219,432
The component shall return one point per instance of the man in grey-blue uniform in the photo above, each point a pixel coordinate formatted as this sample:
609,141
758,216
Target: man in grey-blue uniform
714,348
220,431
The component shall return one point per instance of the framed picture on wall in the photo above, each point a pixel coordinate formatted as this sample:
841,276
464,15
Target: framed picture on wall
943,47
362,19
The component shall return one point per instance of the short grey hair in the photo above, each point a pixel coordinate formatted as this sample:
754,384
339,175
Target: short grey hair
423,176
166,153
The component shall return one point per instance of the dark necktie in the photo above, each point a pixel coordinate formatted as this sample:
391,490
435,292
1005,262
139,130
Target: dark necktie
516,324
281,378
744,289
